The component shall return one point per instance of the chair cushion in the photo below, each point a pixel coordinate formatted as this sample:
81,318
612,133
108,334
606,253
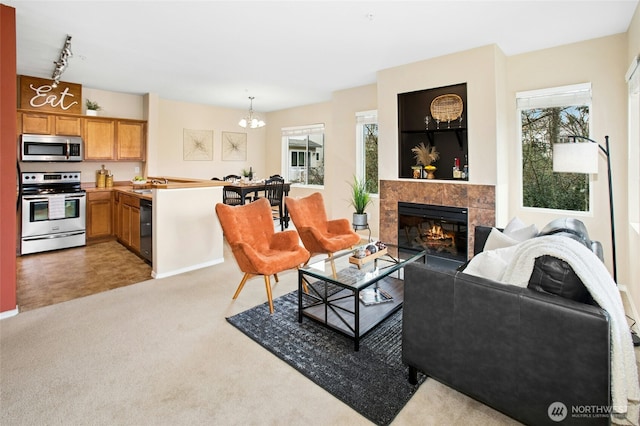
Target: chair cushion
318,234
249,231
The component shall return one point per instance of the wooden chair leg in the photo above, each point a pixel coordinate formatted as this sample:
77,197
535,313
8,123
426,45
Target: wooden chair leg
267,283
333,265
244,280
276,278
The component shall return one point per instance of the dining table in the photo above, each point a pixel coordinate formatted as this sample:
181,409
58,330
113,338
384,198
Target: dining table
244,189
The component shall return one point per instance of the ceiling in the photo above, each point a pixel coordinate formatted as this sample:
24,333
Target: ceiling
285,54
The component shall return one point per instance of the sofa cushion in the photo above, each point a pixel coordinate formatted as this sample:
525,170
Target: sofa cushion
554,276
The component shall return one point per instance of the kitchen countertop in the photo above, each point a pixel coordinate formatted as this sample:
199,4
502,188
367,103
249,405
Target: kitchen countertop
140,190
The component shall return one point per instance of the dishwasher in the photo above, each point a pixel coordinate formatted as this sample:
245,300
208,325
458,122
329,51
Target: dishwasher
146,230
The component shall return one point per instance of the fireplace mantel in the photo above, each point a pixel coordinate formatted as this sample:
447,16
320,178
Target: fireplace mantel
480,200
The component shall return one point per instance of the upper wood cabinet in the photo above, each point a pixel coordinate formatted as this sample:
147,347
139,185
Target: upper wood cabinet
119,140
105,139
99,139
68,126
49,124
130,137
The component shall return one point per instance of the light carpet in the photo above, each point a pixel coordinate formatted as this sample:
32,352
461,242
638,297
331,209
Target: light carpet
162,353
361,379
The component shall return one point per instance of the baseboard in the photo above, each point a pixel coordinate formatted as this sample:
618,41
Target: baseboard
9,314
183,270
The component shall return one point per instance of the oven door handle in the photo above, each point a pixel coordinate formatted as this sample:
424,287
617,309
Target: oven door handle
38,198
68,149
53,236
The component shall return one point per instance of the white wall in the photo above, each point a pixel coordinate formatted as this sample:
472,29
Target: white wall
602,62
174,117
477,68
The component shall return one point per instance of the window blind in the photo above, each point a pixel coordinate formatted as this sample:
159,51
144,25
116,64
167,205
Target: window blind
576,94
311,129
367,117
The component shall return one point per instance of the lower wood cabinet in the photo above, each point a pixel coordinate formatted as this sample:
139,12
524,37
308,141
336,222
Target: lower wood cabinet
99,215
128,221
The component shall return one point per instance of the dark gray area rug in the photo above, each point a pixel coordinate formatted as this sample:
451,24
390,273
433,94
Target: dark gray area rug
372,381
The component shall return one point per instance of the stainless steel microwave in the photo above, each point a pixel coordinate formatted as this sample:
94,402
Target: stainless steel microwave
50,148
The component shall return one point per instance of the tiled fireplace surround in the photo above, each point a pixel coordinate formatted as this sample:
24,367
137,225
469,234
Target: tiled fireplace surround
480,200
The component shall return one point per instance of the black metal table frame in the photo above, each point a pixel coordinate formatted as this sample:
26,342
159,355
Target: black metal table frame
323,298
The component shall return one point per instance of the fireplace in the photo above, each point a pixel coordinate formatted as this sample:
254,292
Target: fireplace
440,230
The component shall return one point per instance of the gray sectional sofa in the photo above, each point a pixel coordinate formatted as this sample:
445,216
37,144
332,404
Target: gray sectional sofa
524,352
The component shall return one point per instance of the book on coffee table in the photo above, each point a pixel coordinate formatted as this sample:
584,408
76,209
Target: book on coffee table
374,296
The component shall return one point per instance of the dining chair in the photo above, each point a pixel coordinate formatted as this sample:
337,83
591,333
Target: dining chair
273,192
319,234
257,248
229,197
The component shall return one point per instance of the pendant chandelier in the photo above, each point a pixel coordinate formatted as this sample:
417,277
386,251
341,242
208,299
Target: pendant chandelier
251,121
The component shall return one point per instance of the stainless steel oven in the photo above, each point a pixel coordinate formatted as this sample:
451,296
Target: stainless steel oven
53,211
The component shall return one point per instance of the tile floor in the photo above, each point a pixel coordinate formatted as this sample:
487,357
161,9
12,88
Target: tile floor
57,276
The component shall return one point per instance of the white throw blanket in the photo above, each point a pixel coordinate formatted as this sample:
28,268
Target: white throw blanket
625,391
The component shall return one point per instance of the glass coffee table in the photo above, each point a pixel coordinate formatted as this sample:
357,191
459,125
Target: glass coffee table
355,295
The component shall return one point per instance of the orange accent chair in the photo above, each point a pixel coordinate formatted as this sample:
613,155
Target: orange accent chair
318,234
257,248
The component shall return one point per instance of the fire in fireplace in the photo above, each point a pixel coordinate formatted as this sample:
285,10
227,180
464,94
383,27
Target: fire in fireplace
440,230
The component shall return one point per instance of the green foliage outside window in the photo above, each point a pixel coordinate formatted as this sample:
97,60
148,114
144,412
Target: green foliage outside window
371,157
541,187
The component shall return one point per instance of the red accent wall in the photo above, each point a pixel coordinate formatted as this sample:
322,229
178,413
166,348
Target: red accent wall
8,146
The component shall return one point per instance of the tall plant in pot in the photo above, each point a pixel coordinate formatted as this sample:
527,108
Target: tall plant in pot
360,199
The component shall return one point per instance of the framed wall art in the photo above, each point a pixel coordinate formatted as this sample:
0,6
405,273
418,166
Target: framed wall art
234,146
198,145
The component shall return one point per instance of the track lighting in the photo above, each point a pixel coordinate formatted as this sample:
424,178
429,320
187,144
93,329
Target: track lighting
62,63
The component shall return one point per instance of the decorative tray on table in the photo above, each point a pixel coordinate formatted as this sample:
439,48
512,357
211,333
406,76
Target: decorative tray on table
366,254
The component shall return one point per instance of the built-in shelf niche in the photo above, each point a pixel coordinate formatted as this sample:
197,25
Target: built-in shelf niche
450,139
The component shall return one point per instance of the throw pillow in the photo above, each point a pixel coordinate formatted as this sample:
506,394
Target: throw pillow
490,264
514,224
497,239
519,231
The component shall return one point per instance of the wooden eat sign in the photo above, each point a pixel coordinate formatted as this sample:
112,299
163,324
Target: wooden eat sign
38,94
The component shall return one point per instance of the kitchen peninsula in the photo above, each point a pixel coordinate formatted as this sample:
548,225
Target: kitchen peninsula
186,234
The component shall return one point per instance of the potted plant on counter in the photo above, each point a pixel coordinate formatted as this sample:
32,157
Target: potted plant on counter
360,199
92,107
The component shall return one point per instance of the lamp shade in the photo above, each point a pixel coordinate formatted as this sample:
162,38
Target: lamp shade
579,157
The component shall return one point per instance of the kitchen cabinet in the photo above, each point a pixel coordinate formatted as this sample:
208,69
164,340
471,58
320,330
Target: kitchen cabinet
114,140
49,124
99,139
99,215
128,222
130,140
105,139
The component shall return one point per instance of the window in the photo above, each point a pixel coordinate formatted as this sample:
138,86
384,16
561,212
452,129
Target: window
304,147
367,149
546,117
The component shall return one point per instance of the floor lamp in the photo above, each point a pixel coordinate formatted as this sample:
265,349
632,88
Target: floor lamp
578,157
